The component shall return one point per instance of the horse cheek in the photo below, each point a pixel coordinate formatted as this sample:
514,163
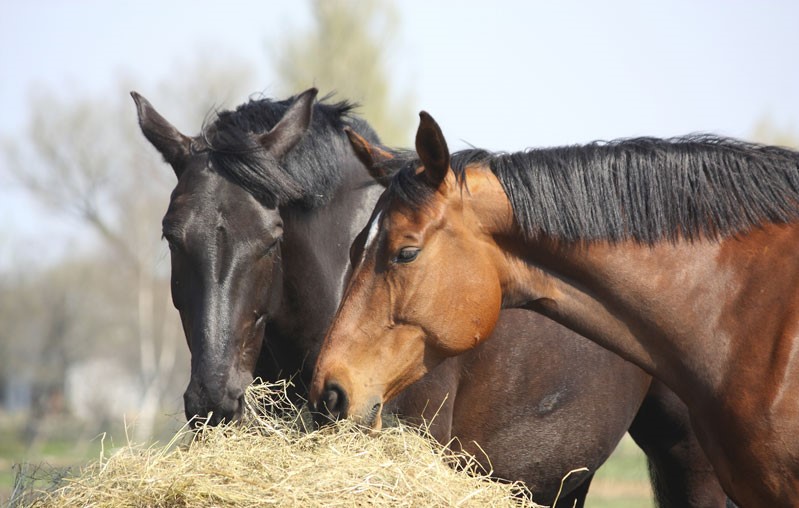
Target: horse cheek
486,318
479,317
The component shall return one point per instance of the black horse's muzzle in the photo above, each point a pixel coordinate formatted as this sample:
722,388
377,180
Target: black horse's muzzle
204,407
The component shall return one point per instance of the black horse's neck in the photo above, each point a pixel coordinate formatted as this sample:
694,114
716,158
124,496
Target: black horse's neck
314,263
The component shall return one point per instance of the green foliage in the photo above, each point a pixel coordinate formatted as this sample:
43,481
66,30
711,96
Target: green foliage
346,52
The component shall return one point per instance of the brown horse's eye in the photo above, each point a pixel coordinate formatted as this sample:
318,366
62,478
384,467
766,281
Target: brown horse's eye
407,254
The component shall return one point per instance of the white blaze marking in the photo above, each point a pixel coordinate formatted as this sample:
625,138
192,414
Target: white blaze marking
373,228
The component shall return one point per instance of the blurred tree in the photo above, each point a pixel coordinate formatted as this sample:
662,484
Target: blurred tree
346,52
43,326
765,131
88,158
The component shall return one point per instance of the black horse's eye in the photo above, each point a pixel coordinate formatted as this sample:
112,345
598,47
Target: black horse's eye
407,254
271,249
171,242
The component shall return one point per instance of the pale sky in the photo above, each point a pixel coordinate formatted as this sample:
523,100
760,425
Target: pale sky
502,75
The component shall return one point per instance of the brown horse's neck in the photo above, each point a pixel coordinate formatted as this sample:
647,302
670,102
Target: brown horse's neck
655,306
661,306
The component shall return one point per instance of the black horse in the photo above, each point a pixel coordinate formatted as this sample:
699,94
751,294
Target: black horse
268,200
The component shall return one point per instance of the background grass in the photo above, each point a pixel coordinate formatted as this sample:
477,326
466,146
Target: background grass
62,445
623,481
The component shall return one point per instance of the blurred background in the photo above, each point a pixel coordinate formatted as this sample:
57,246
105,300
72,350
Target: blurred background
89,340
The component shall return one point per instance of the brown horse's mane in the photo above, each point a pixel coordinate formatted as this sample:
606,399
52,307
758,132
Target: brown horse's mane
306,176
643,189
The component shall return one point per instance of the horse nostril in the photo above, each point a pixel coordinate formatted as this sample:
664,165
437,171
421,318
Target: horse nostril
334,400
331,400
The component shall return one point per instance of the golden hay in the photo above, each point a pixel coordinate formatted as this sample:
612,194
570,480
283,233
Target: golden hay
272,461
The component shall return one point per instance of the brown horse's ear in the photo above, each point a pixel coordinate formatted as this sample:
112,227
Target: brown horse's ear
173,145
432,149
291,128
371,156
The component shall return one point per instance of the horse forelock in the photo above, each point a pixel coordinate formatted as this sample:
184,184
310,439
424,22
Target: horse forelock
643,189
409,187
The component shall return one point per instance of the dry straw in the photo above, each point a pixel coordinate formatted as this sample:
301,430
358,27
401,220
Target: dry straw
271,460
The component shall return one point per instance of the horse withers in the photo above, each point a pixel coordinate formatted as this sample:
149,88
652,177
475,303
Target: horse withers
268,200
680,255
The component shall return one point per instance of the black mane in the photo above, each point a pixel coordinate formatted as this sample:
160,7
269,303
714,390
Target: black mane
307,175
644,189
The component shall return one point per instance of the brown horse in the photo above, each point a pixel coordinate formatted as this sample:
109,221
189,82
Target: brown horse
680,255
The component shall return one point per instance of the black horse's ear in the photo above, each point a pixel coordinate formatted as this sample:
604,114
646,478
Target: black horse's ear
432,149
170,142
290,129
371,156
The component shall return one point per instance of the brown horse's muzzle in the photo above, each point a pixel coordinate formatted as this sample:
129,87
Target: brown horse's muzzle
333,403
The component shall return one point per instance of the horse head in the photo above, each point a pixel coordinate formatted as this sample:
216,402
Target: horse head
225,245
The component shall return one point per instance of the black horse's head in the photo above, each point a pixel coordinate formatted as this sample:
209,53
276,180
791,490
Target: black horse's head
224,233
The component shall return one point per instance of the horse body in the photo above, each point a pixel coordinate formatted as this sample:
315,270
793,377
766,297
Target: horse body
257,274
715,323
704,299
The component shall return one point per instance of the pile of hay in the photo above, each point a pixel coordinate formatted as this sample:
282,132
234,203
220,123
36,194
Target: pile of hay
272,461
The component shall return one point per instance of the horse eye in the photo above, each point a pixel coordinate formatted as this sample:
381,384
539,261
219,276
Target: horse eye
272,248
407,254
171,242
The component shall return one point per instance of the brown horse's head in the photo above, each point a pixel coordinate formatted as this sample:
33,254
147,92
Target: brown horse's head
404,310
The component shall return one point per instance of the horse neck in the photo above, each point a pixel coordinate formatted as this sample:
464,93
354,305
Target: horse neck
656,306
315,253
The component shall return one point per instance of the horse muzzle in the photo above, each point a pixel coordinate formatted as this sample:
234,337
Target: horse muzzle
334,403
207,407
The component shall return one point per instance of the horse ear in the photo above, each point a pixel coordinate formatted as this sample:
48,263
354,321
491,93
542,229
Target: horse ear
432,149
170,142
370,156
290,129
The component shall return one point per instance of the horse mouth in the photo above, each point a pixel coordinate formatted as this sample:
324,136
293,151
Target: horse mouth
215,417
